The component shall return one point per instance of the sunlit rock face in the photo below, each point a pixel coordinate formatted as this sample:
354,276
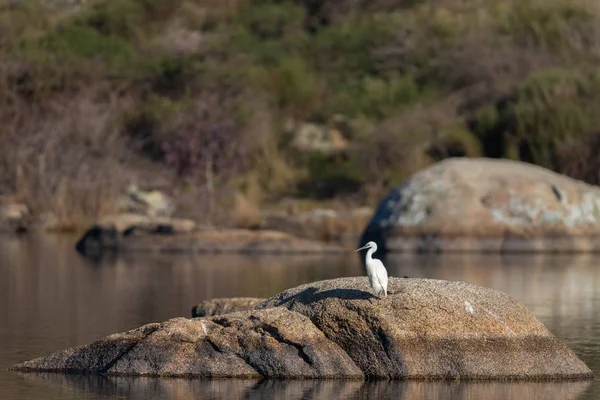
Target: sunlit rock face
272,343
488,205
429,328
424,329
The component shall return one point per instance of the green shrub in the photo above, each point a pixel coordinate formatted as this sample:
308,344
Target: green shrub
329,176
292,84
129,19
375,97
454,141
20,19
269,21
551,24
84,42
553,105
266,33
345,49
492,127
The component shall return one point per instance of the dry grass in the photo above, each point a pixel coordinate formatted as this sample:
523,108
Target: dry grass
245,213
65,160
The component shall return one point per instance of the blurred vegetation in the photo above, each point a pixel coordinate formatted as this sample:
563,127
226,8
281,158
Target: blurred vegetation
205,92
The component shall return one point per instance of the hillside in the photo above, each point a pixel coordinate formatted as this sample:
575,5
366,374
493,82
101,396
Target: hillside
241,103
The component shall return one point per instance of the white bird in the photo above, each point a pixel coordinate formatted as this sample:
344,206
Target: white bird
378,277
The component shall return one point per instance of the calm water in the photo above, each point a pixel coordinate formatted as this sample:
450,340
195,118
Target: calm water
50,299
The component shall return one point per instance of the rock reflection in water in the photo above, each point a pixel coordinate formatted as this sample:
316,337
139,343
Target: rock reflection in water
182,389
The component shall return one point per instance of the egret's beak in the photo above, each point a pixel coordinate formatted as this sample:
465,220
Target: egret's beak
362,248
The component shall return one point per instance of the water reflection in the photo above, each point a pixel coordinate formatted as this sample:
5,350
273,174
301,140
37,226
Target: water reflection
51,298
42,278
150,388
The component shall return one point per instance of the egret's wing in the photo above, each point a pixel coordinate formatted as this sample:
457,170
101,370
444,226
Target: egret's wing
372,275
381,274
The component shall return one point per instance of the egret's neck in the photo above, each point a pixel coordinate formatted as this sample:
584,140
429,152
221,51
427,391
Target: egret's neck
370,253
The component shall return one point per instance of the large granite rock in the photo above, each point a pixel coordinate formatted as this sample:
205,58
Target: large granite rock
478,204
211,307
337,329
432,329
137,233
269,343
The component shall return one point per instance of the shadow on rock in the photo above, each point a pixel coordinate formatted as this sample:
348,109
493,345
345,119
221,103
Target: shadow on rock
312,294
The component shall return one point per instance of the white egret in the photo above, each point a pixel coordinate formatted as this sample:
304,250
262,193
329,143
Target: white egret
378,277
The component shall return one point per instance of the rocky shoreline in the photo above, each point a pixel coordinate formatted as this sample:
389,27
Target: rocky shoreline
457,205
337,329
133,233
